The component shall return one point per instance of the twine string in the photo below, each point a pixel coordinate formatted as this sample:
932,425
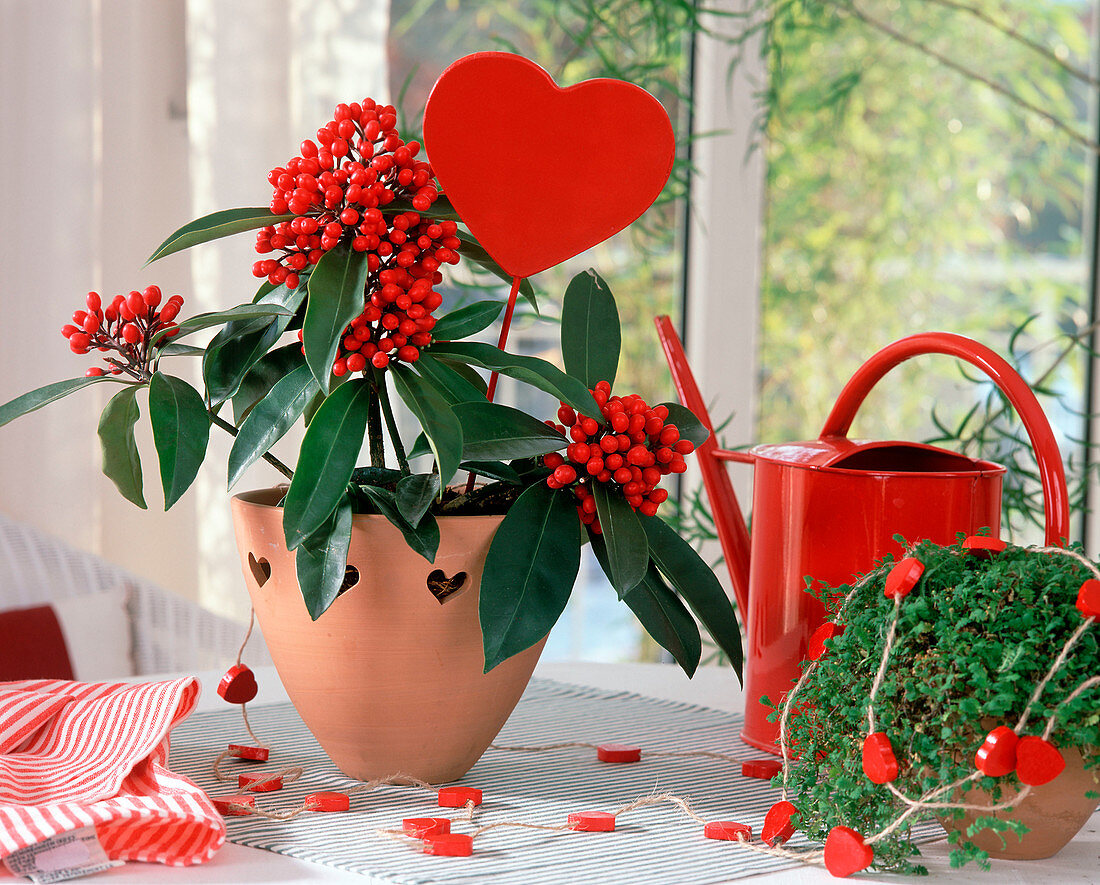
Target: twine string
891,635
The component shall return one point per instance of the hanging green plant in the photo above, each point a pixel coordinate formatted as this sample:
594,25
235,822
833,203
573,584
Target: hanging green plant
954,671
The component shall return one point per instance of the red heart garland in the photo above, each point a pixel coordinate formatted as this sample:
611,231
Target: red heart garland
238,685
1088,599
1038,762
903,577
540,173
846,852
828,630
879,762
777,827
996,756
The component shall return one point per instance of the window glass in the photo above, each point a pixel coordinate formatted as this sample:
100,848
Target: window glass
909,188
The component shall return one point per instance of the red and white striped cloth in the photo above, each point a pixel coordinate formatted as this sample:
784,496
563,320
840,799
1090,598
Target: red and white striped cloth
75,754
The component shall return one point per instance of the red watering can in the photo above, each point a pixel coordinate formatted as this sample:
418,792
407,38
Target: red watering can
829,507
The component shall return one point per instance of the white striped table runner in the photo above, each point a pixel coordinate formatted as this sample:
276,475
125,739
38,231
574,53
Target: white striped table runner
650,845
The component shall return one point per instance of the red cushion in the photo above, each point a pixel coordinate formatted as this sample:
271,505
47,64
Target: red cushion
32,645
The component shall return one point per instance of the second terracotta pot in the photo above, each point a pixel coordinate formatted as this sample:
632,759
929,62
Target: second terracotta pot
389,679
1054,813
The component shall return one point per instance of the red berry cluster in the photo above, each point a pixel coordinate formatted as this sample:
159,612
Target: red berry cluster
339,188
634,448
126,325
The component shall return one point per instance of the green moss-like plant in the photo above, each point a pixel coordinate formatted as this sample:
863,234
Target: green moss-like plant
974,637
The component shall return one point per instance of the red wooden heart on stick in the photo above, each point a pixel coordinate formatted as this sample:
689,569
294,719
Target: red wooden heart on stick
540,173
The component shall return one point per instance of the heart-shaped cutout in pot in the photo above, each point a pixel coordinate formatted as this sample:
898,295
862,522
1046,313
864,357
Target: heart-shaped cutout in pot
443,587
260,568
540,173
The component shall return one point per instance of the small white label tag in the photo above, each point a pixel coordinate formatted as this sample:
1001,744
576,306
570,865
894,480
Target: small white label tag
68,856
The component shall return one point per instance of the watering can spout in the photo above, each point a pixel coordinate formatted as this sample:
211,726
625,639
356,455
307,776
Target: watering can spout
729,522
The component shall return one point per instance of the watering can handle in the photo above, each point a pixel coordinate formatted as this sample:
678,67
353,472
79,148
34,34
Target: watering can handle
1055,494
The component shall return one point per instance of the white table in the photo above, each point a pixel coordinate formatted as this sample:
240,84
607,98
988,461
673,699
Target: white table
1079,862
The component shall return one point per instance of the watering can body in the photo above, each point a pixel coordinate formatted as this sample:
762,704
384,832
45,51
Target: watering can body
828,509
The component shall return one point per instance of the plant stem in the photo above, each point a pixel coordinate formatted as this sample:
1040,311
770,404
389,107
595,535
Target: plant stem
391,424
374,430
267,456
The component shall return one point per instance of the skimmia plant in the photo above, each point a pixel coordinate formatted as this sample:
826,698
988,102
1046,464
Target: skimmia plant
353,246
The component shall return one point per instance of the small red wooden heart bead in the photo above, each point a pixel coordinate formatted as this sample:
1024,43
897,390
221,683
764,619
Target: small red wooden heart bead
592,822
618,753
903,577
231,806
728,830
777,827
420,827
238,685
765,769
828,630
449,845
846,852
245,782
996,757
327,801
879,762
1088,599
457,797
1038,762
251,754
983,546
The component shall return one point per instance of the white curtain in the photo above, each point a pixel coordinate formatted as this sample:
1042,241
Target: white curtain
123,119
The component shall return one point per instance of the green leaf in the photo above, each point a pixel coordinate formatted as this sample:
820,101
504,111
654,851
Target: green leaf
538,373
336,297
627,545
233,352
448,382
415,494
660,612
272,417
43,396
121,462
494,470
173,349
492,432
424,539
181,430
666,619
321,561
420,447
439,422
214,226
265,373
440,210
529,573
472,250
221,317
326,459
590,334
471,374
697,584
690,427
466,321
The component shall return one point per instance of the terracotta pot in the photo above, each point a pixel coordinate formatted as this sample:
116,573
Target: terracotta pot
1054,813
389,679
